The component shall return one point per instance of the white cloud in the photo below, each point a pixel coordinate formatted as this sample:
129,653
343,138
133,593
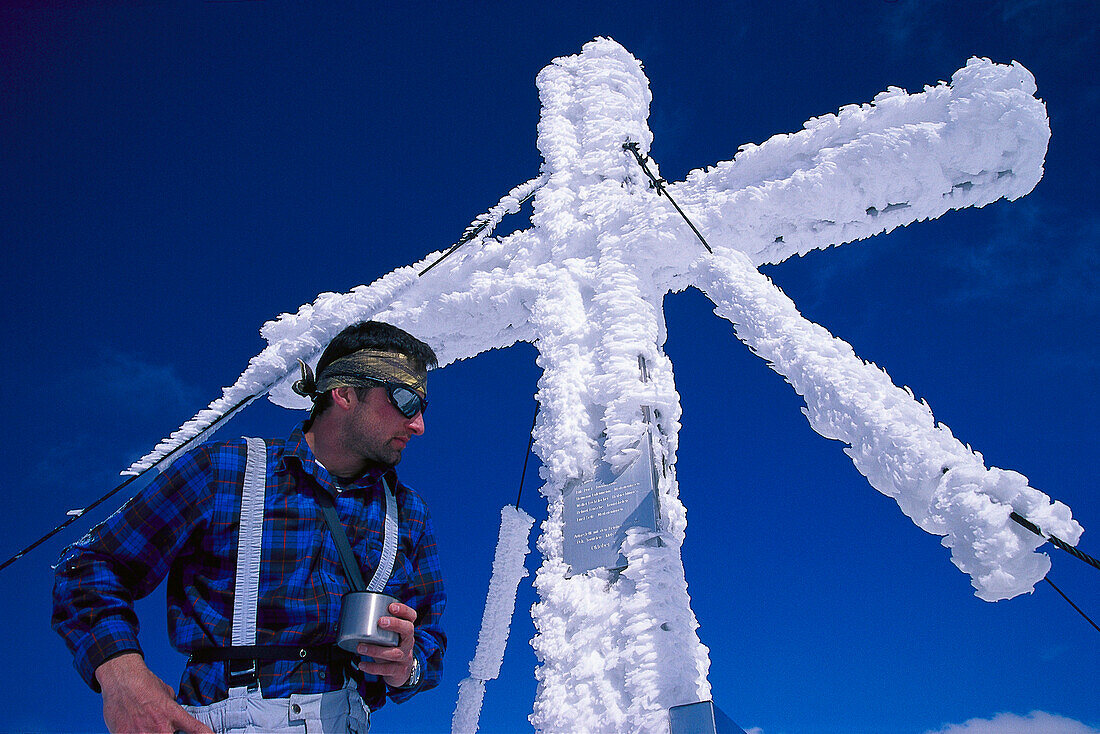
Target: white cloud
119,378
120,405
1037,722
1032,248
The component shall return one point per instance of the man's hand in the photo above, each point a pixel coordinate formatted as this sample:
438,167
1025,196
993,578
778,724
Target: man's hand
393,664
136,700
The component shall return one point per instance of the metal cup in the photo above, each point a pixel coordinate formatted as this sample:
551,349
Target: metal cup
359,615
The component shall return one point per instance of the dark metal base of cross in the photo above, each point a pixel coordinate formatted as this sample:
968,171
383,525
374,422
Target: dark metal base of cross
701,718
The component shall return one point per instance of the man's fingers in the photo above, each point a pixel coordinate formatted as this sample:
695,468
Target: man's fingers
403,627
379,667
392,663
401,621
185,722
402,611
393,673
382,654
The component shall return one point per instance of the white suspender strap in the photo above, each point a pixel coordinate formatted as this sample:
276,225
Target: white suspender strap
246,593
382,574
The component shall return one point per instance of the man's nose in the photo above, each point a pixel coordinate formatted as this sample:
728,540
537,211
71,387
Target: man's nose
416,424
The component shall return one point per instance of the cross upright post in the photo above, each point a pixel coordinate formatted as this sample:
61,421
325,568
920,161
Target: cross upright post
598,319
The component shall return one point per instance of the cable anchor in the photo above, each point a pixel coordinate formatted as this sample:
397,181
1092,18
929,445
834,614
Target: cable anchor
659,184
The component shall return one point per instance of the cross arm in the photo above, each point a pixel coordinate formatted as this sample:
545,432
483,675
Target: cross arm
462,308
871,168
893,439
465,305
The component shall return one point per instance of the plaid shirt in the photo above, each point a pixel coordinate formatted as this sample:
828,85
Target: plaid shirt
184,525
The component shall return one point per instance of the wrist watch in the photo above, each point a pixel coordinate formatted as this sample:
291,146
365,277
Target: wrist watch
414,676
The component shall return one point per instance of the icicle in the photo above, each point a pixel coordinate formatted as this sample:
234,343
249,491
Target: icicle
500,602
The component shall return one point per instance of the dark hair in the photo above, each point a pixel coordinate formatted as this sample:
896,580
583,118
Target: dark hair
371,335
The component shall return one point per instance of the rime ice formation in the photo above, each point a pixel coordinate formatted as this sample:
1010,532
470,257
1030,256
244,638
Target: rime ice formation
893,440
500,602
874,167
585,283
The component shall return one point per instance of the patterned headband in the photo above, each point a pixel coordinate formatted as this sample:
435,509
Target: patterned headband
363,369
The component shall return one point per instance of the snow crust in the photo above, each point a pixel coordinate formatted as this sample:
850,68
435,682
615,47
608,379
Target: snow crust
585,283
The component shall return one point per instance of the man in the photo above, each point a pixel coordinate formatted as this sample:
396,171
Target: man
369,396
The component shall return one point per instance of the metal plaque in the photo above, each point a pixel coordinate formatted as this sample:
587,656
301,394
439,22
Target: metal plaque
598,512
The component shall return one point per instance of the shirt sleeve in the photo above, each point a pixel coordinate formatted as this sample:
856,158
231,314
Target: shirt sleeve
425,594
98,578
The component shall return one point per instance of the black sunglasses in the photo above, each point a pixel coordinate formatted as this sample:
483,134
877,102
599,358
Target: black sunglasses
407,402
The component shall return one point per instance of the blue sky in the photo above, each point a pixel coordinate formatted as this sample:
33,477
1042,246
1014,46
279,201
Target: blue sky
176,174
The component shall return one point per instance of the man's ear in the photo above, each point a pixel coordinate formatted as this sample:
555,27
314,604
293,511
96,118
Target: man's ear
342,397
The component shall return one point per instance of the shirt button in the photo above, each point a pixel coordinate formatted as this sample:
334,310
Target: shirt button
322,675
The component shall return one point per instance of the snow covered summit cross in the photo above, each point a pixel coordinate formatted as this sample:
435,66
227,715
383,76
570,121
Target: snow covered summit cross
585,284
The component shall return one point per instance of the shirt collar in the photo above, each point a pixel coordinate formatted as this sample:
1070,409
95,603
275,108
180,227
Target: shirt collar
298,448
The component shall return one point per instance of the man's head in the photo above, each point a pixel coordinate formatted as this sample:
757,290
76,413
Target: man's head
370,356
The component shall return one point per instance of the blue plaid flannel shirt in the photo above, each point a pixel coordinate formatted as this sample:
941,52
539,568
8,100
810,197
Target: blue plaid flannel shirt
184,526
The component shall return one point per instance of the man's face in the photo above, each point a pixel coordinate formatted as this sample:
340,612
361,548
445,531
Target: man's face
377,430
